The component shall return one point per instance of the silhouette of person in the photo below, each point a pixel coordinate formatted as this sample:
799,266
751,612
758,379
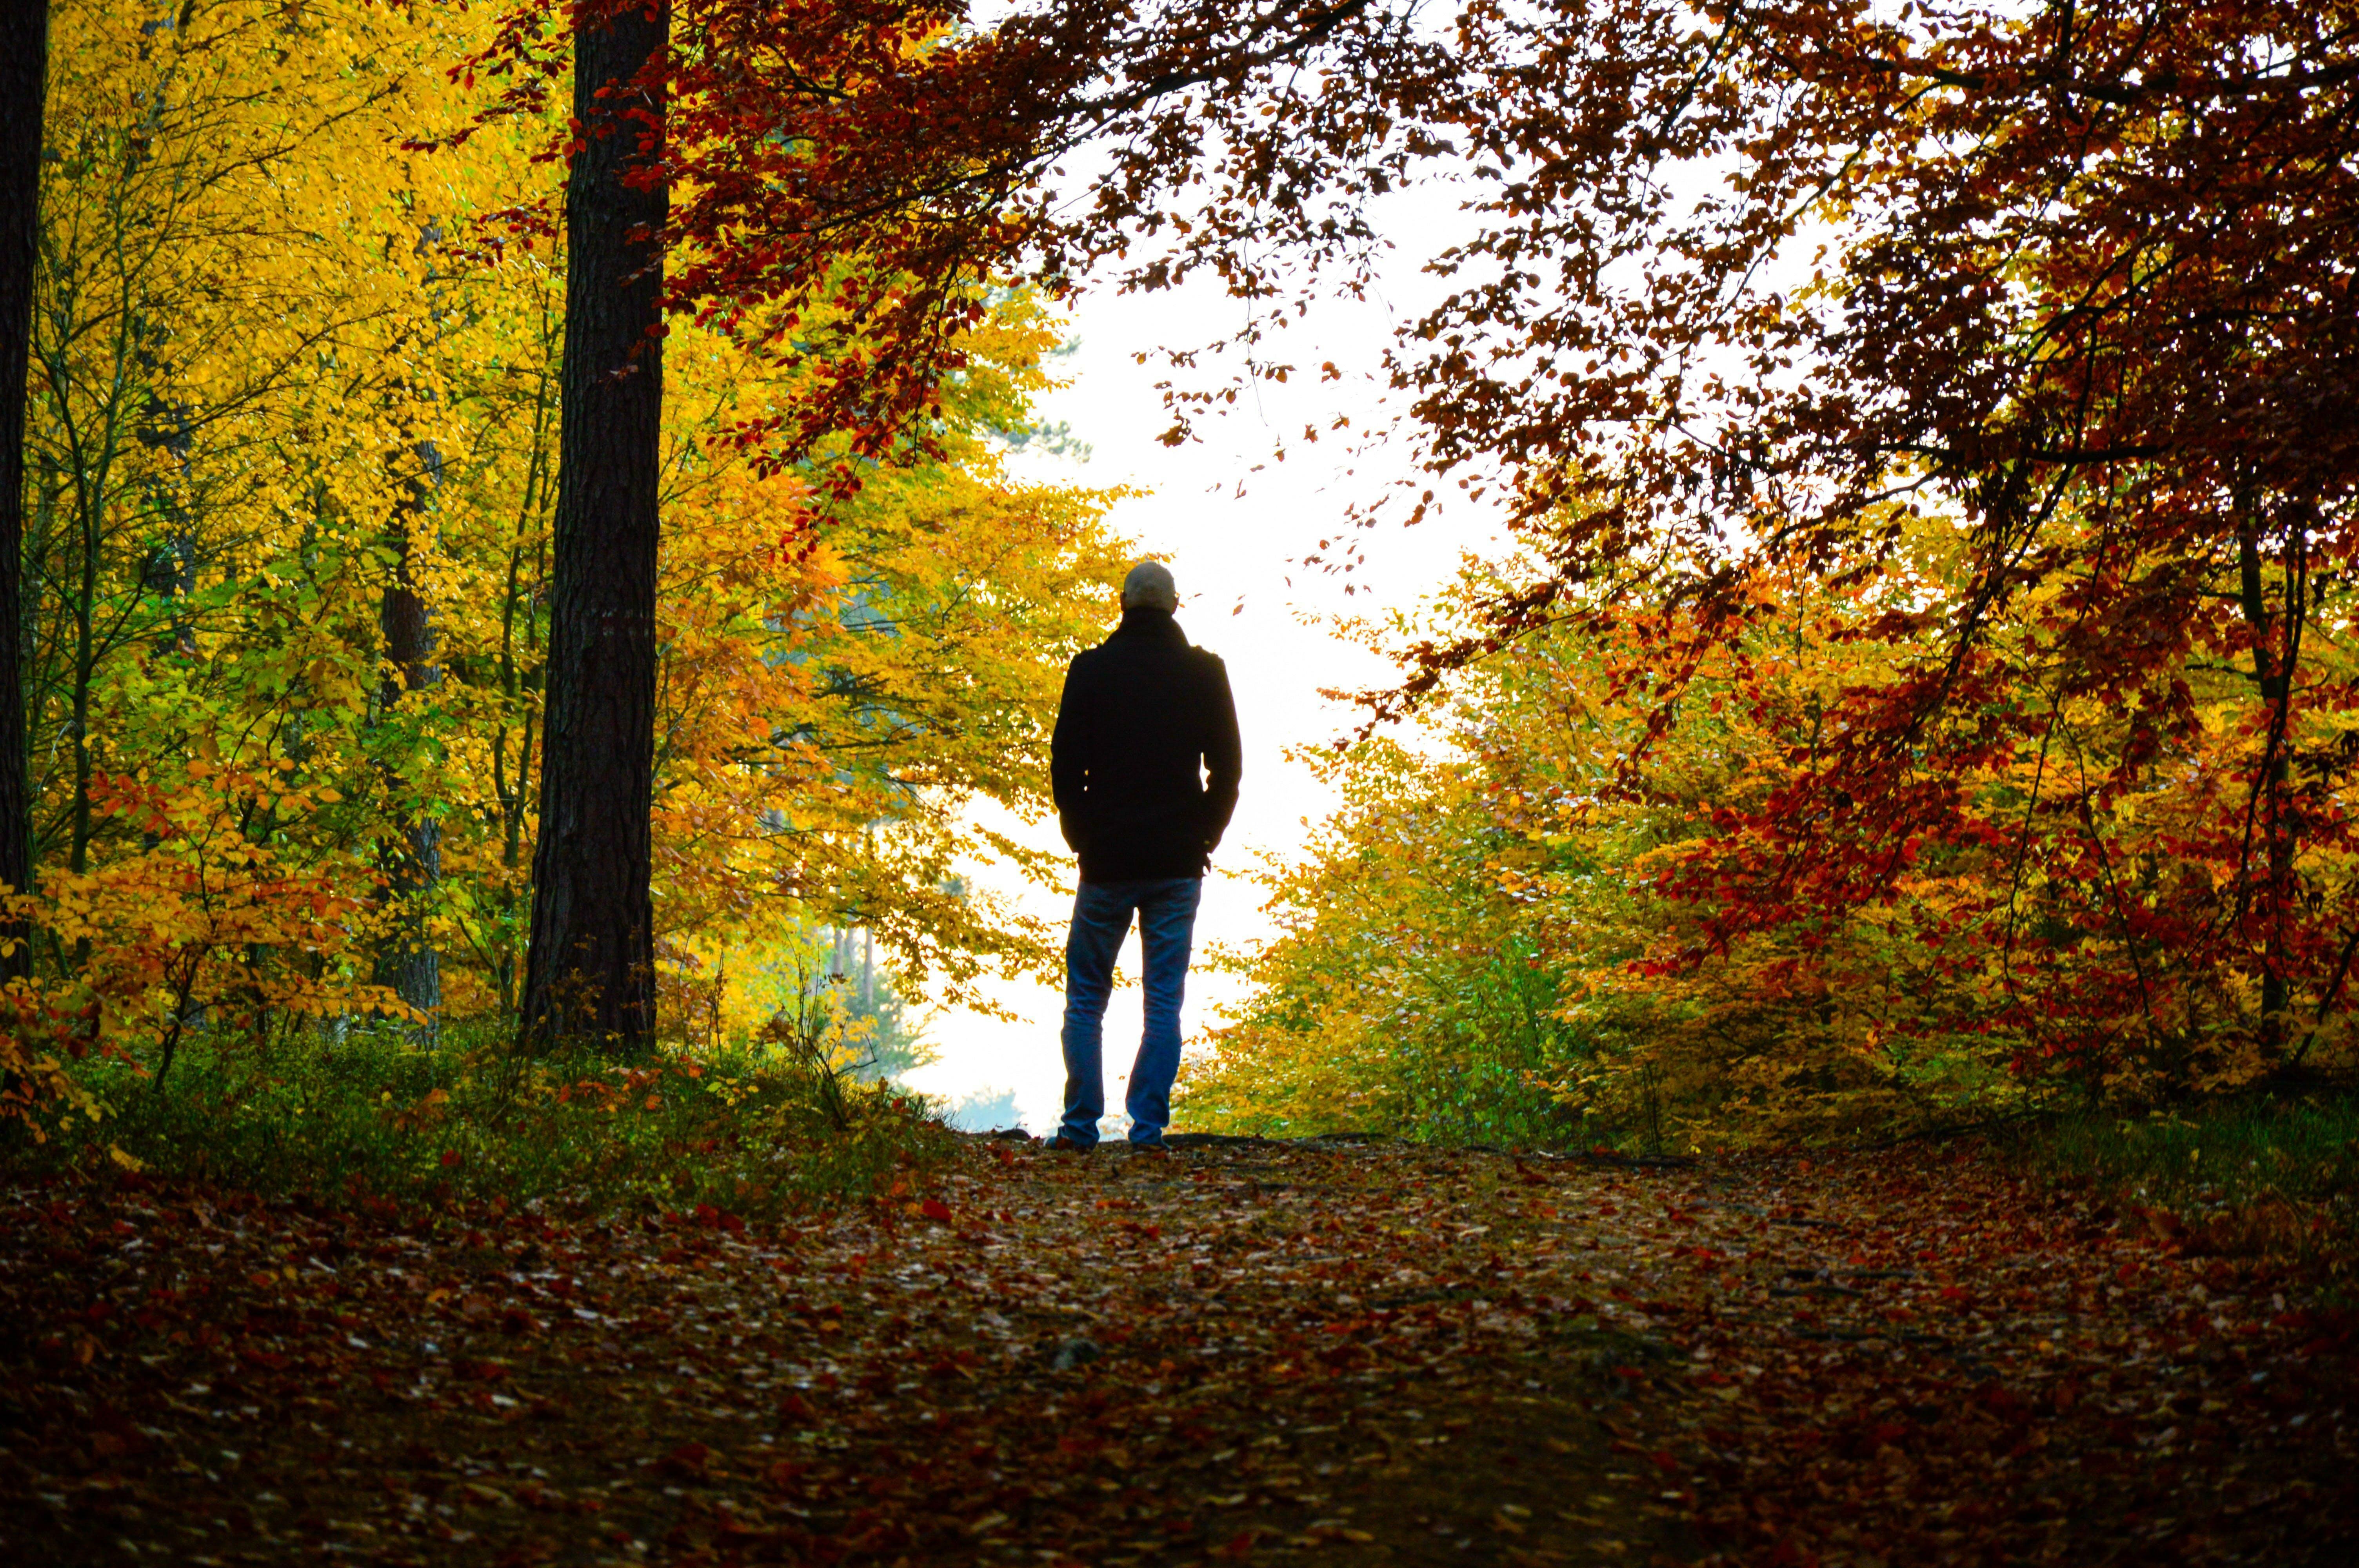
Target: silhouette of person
1145,763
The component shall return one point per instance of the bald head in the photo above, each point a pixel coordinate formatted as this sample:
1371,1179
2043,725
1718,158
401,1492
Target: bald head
1149,586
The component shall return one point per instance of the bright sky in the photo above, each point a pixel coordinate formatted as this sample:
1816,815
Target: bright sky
1233,524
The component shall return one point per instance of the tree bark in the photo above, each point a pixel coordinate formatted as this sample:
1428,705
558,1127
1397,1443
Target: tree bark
2276,650
413,862
24,85
590,967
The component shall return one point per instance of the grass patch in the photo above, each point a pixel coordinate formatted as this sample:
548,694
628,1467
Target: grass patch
2233,1152
2255,1176
752,1131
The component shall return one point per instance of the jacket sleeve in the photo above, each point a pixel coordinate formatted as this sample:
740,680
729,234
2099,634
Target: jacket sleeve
1224,762
1068,762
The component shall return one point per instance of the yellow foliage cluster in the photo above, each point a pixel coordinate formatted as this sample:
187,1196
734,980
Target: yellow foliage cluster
285,372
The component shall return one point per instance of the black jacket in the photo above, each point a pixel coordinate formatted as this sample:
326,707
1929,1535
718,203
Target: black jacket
1140,711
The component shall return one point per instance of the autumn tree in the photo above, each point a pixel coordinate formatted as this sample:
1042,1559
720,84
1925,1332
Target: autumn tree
293,436
591,970
1740,278
850,176
1535,922
2071,275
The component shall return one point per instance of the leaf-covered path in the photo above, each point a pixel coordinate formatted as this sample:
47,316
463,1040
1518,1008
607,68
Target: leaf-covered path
1325,1353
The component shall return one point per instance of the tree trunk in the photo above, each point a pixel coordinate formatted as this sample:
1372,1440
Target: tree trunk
413,862
589,968
2276,650
24,71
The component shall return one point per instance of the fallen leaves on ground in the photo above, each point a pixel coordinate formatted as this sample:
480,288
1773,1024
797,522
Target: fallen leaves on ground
1338,1352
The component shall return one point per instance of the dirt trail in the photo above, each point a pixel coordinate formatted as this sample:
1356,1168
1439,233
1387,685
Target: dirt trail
1331,1352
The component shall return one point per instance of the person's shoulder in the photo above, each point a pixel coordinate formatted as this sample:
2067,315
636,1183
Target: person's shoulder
1207,660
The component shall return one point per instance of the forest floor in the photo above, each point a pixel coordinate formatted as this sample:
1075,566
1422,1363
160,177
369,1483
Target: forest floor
1330,1353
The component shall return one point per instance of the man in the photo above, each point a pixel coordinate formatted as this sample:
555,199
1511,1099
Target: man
1144,718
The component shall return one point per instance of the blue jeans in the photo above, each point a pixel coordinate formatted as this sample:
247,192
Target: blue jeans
1166,919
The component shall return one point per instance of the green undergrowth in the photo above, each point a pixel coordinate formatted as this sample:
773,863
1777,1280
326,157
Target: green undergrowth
2237,1152
2259,1175
751,1131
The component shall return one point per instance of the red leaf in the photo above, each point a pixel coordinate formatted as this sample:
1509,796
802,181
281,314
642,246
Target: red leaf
690,1460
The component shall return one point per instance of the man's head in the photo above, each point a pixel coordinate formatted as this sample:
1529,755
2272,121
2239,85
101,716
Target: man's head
1149,586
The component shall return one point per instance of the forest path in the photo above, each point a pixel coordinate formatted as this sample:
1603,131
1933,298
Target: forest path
1323,1352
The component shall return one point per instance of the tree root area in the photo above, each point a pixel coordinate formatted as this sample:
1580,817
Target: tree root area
1338,1353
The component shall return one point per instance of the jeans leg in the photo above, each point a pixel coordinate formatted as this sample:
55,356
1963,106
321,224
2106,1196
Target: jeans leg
1167,926
1101,920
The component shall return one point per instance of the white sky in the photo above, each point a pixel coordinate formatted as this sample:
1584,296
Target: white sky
1227,547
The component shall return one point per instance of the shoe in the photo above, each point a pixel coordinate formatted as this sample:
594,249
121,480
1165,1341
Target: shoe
1155,1146
1065,1145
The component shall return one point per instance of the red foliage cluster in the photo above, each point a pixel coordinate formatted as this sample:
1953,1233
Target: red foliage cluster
848,178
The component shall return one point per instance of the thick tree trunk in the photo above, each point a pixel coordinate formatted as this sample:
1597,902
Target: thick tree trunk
23,70
590,969
414,863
